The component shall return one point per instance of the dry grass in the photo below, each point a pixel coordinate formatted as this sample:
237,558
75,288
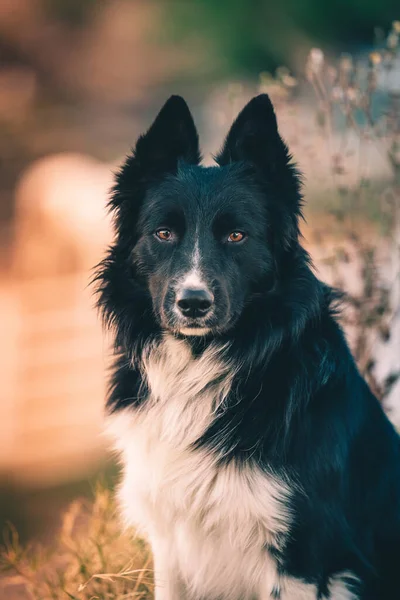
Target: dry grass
91,558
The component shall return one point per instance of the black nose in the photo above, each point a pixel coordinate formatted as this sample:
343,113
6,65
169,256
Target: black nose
194,303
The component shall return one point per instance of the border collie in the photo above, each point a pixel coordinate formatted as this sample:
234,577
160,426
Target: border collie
256,460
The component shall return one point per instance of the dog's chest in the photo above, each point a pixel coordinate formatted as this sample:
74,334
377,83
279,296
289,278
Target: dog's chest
169,476
220,523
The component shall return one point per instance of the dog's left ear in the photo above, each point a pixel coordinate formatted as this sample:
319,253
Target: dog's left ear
254,139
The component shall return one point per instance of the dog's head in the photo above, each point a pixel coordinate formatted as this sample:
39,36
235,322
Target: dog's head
195,245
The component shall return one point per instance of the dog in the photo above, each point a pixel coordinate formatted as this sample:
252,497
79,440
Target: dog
256,460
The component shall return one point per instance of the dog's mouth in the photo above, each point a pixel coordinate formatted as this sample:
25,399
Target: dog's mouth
192,327
194,331
213,324
196,325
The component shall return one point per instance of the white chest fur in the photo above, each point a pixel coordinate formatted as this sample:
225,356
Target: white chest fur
209,526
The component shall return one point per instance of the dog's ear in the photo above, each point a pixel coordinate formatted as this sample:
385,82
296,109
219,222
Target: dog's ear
254,139
171,138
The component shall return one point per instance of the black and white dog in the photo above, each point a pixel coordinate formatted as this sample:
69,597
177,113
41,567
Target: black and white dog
256,460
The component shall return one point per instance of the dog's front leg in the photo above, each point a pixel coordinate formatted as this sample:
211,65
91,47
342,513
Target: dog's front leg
168,582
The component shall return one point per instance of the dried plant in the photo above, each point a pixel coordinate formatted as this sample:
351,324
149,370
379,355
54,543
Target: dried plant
91,557
348,92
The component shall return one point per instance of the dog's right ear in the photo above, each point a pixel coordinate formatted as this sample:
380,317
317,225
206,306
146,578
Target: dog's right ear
171,138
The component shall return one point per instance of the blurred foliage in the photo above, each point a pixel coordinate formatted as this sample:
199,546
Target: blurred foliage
349,89
252,35
71,12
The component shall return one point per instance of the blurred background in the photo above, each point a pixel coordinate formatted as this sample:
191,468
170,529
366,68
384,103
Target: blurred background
79,81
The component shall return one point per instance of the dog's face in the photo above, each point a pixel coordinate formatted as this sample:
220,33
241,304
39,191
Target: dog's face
203,247
204,242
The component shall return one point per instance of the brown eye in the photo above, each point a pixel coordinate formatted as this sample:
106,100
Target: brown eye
236,236
164,234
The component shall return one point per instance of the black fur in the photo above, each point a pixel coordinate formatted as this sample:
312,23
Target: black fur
298,401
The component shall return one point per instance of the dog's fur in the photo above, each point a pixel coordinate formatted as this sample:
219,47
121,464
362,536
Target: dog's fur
256,459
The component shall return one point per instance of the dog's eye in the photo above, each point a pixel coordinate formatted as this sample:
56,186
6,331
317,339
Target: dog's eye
236,236
164,234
